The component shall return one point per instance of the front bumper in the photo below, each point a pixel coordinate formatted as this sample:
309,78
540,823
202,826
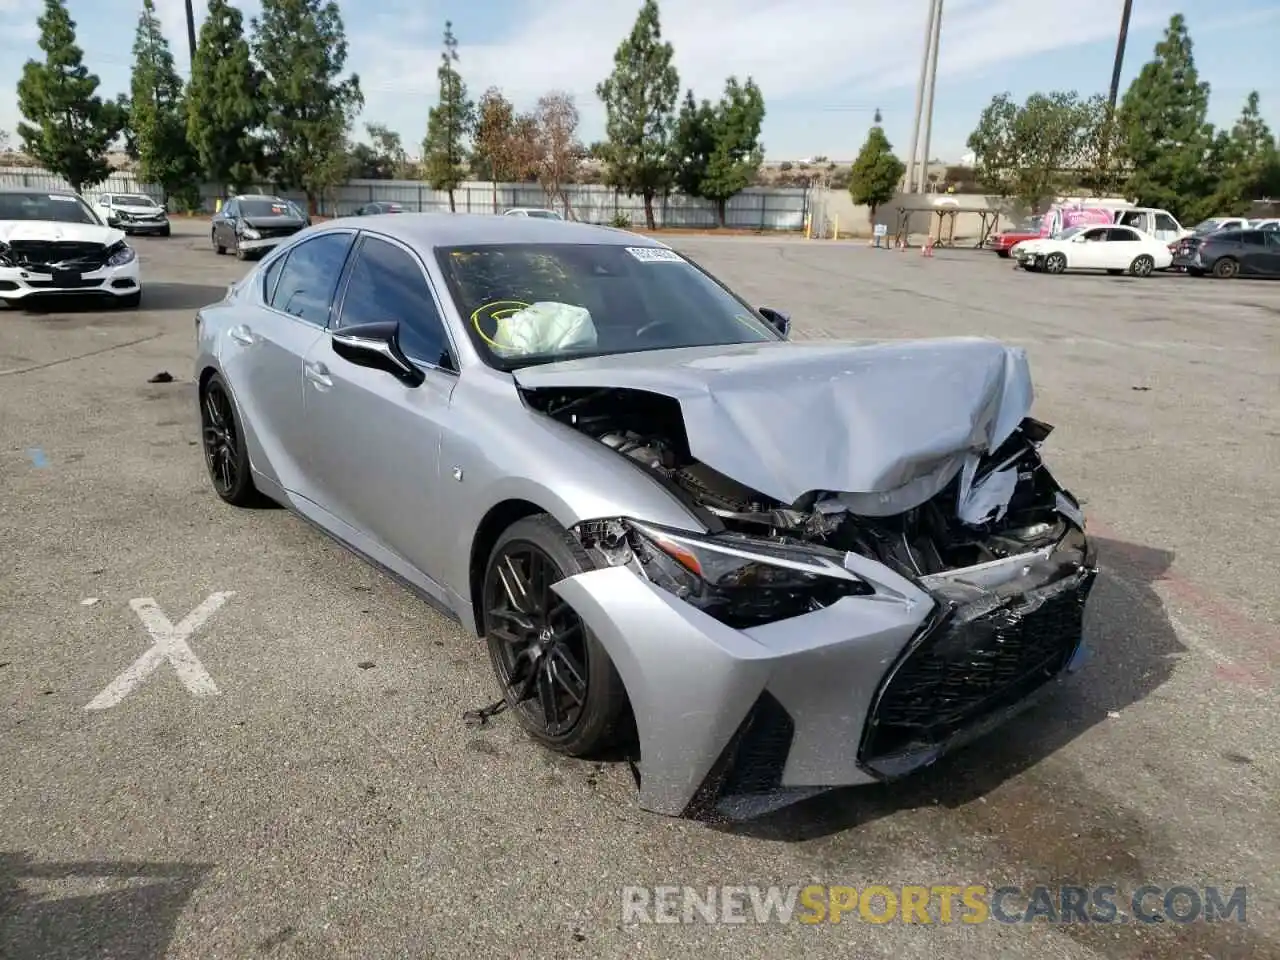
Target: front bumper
738,722
20,283
140,226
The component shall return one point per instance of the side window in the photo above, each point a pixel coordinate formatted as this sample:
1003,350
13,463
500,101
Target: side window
310,276
1253,238
1165,222
230,208
387,283
1273,238
1121,235
270,274
1095,235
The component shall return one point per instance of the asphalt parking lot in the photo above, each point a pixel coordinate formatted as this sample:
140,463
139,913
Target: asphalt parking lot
309,787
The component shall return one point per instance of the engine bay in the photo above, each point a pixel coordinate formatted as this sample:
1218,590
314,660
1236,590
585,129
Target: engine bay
648,429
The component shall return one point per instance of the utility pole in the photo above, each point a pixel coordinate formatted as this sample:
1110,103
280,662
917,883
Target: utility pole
910,181
933,82
191,32
1120,45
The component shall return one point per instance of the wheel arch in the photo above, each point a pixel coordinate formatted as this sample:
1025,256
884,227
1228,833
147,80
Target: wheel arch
492,525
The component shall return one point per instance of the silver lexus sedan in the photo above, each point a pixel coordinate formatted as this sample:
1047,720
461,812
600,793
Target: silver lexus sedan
768,567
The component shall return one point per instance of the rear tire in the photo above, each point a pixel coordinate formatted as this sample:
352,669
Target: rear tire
1142,266
534,639
222,441
1226,268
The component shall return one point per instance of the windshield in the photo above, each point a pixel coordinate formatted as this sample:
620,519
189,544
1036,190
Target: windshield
537,303
1071,232
134,200
267,208
1208,226
62,207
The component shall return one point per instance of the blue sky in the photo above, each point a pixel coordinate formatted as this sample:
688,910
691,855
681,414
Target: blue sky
823,65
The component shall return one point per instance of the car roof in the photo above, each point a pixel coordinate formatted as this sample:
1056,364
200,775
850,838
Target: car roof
477,229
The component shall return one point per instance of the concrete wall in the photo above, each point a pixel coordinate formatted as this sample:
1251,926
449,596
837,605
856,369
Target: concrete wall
855,221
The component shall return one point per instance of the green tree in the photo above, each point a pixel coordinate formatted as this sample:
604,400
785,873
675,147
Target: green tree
1252,160
68,127
157,114
640,99
1022,151
223,106
876,173
382,158
301,48
693,139
450,121
736,157
1165,138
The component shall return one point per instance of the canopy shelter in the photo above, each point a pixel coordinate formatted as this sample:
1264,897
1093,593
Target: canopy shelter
944,229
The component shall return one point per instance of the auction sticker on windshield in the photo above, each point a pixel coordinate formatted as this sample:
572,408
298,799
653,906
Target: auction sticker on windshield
655,255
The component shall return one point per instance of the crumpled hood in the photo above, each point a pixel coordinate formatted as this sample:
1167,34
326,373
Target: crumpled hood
887,423
139,211
52,230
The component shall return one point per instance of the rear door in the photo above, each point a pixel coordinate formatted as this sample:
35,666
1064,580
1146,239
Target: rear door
263,355
1123,247
1272,261
1091,252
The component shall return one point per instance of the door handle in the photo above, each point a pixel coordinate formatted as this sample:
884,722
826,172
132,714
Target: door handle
242,334
318,374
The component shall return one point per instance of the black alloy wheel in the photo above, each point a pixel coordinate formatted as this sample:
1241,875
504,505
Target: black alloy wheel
225,454
1226,268
555,676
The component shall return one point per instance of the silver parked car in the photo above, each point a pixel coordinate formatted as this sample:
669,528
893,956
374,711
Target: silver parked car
774,566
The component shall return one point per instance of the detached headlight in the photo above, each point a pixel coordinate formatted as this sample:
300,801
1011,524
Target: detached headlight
121,255
743,581
248,232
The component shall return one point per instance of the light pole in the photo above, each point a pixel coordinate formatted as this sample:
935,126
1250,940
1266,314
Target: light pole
909,183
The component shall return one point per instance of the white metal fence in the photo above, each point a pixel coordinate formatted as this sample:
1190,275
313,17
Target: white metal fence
757,208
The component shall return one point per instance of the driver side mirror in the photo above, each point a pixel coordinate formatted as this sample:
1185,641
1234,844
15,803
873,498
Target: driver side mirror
377,346
779,320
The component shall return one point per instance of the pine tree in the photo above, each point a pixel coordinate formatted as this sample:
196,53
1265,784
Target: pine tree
157,119
877,172
450,121
1164,136
640,100
68,127
736,154
301,47
692,141
223,111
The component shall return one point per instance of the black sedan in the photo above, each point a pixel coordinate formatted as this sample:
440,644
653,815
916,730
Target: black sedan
1232,253
252,225
377,207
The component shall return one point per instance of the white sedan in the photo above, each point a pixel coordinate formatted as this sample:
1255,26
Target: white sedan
53,244
1114,249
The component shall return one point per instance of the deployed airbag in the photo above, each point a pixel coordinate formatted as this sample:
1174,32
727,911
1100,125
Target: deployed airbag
543,328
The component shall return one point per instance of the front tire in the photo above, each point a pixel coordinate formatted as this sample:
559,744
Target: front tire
1055,263
218,248
1002,254
1226,269
555,675
167,231
222,440
1142,266
130,301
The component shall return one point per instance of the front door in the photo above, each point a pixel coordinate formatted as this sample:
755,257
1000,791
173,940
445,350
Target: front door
375,441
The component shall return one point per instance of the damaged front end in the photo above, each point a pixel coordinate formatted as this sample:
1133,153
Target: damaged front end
987,580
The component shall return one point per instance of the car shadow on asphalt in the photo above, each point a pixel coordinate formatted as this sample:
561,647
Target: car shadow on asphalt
1129,658
135,917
